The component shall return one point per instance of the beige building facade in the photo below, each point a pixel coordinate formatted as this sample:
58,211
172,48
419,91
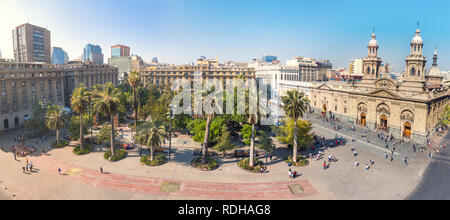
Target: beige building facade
408,109
165,75
24,84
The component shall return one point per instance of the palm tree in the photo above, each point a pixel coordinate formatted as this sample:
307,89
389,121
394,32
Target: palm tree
79,103
56,119
295,106
209,112
95,92
209,118
133,80
108,103
151,136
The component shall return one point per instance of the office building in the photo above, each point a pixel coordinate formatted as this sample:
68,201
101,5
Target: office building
93,54
59,56
31,44
120,51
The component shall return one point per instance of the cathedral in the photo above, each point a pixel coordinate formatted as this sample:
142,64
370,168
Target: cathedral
407,108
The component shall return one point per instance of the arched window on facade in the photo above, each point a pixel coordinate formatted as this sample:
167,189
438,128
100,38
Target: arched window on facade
413,71
368,70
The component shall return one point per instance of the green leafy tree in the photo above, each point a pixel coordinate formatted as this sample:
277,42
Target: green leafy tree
197,129
265,143
295,106
108,104
246,133
104,134
304,137
56,119
74,126
224,142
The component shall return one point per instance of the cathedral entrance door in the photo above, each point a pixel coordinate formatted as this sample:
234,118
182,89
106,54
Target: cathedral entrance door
384,122
363,119
407,130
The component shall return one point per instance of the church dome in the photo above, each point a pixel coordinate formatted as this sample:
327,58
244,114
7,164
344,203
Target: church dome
417,39
373,42
434,71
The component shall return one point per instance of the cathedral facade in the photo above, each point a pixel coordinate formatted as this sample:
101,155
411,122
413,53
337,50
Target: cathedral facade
409,108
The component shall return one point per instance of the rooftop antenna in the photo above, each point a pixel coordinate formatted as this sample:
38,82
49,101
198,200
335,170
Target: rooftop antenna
418,24
373,29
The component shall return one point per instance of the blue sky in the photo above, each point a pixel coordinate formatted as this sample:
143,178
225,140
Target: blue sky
180,31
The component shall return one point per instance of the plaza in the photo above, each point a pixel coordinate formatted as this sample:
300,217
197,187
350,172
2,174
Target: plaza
128,179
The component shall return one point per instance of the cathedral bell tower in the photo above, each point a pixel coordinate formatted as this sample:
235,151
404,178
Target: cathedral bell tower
372,63
415,62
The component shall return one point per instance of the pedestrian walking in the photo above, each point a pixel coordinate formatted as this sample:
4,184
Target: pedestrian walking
406,160
385,155
26,167
392,158
101,170
59,171
23,169
356,164
367,167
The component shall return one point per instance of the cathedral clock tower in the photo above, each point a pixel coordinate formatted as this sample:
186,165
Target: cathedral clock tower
372,63
415,62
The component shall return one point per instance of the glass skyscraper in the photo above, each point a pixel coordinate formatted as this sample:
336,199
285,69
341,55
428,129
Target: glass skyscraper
59,56
93,53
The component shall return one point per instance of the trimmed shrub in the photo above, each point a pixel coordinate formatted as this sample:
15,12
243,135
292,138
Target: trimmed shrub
245,164
87,149
210,164
62,143
158,160
301,161
120,154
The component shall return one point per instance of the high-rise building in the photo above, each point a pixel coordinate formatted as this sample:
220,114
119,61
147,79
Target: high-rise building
356,67
59,56
93,54
120,51
126,65
31,44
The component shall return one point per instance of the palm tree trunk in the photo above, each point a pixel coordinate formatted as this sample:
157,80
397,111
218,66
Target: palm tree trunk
113,147
152,153
252,147
57,136
135,108
81,133
294,157
206,140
